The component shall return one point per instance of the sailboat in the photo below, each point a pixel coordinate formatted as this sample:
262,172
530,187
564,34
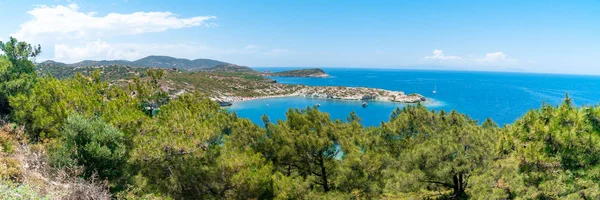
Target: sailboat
434,89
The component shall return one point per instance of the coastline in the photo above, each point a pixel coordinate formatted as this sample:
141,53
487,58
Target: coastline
430,102
234,99
333,92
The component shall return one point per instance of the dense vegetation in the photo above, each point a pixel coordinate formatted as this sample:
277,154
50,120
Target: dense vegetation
229,68
216,81
109,72
190,148
316,72
165,62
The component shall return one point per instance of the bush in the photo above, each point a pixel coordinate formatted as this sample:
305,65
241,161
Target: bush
6,143
91,143
25,173
10,190
10,167
17,71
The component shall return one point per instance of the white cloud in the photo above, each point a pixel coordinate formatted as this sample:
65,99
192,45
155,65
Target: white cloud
493,57
496,58
277,52
439,55
101,50
77,35
92,50
69,22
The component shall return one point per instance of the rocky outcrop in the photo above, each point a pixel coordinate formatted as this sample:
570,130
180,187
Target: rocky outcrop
319,75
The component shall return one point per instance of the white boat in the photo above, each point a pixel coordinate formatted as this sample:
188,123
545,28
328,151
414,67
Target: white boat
434,89
224,103
364,104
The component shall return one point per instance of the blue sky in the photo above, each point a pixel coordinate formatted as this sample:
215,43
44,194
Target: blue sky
530,36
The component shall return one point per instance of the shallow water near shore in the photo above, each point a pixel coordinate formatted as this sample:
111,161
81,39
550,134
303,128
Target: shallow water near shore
275,108
502,96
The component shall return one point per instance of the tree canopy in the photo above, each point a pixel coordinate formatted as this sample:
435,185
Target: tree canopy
17,70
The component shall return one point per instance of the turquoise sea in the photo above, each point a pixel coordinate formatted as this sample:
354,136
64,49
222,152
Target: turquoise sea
502,96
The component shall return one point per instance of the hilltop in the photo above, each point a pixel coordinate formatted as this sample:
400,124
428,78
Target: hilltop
230,68
164,62
315,72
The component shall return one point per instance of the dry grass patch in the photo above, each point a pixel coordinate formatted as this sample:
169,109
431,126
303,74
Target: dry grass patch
25,173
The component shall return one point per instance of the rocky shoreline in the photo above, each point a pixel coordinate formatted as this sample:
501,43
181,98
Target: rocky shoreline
338,92
319,75
359,93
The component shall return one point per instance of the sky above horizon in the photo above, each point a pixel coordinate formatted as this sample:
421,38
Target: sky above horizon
530,36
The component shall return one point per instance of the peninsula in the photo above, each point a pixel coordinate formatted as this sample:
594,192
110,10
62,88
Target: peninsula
327,92
315,72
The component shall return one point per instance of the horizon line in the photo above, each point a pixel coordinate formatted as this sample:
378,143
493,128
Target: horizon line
434,69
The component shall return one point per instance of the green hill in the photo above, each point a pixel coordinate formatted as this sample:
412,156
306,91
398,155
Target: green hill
230,68
150,61
179,63
89,63
231,79
315,72
110,72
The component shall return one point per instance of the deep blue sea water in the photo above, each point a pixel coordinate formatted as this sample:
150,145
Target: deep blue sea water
502,96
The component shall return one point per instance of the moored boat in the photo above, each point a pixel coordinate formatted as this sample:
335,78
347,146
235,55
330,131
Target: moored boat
224,103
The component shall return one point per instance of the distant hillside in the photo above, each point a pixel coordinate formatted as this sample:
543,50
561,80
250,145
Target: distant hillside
150,61
51,63
89,63
179,63
109,72
222,80
230,68
316,72
115,72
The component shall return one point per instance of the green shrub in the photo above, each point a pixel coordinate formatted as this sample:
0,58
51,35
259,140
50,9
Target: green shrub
6,143
94,144
17,71
10,190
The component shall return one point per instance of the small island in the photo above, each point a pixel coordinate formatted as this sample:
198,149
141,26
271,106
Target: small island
315,72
